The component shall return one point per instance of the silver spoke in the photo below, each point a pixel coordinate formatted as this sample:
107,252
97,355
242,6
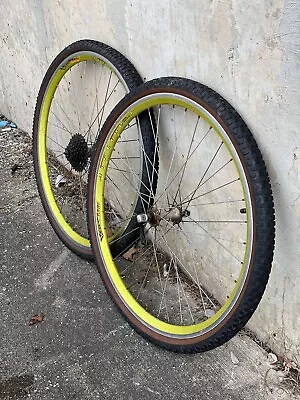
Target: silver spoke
183,166
63,127
158,270
210,191
216,240
101,111
201,292
81,194
63,109
175,148
188,154
205,172
75,98
52,140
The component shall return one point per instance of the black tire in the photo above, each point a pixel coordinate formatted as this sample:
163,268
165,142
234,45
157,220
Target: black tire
147,188
263,225
124,70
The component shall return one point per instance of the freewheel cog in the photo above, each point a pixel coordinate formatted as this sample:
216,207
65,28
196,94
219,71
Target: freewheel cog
77,152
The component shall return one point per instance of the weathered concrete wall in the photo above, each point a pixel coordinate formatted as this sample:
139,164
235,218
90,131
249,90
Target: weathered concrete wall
247,51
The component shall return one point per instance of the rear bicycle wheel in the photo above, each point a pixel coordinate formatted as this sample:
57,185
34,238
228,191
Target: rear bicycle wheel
203,261
82,85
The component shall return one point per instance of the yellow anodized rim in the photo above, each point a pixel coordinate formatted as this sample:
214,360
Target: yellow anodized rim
100,225
42,137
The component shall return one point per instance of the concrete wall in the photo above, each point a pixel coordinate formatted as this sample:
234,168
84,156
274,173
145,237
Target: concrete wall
247,51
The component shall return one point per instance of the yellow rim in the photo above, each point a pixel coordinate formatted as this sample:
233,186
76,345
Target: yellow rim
41,148
100,225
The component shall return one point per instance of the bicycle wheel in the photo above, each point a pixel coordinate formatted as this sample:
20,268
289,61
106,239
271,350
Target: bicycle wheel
203,261
82,85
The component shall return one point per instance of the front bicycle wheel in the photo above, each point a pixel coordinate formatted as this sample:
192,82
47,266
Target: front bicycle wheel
82,85
207,236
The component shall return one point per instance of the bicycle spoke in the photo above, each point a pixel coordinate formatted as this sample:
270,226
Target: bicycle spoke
205,172
63,109
216,240
188,155
183,166
64,128
55,142
81,194
210,191
201,292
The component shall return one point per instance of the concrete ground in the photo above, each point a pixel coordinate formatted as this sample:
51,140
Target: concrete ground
83,349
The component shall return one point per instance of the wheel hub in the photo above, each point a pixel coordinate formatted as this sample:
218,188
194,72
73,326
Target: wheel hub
153,216
77,152
176,214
